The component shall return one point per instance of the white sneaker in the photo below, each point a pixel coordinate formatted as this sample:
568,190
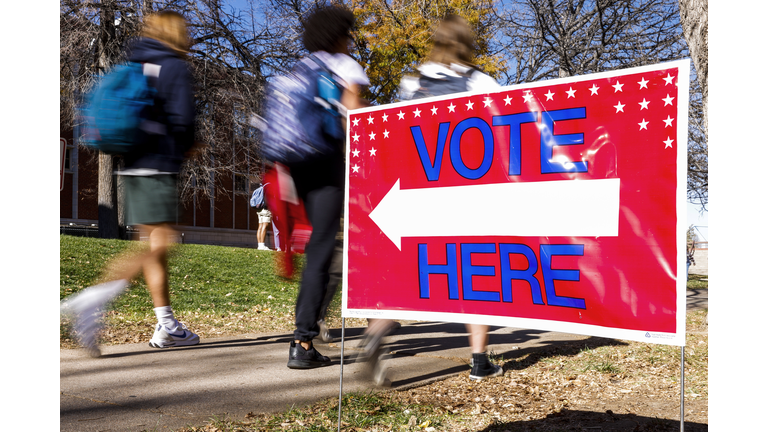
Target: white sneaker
180,336
85,310
263,248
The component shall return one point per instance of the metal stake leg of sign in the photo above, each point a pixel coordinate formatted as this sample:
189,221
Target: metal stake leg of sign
341,371
682,388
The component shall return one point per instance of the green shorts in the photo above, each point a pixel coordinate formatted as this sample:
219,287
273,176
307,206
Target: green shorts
150,200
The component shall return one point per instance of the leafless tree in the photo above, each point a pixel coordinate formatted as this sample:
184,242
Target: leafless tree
230,51
558,38
694,21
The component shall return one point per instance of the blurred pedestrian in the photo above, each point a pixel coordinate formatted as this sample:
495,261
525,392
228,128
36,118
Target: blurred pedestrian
450,69
320,182
151,169
265,220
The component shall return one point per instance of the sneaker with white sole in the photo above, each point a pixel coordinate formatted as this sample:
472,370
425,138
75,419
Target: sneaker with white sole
324,334
482,368
180,336
85,309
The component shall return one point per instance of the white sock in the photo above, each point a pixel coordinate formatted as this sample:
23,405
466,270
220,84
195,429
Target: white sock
165,317
262,245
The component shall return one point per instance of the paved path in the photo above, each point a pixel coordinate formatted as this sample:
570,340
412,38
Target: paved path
135,387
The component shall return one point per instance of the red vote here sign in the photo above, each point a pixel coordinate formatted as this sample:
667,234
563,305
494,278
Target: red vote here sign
551,206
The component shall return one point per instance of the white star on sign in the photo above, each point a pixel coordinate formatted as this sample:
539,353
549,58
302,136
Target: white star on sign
370,119
617,87
643,104
451,107
668,143
470,105
372,136
593,89
507,100
643,83
417,113
527,97
355,168
386,134
643,125
487,102
668,79
571,92
619,107
668,100
549,95
400,115
356,137
372,151
356,121
355,152
434,110
384,117
668,121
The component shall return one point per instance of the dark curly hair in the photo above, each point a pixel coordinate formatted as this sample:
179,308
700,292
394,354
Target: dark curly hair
325,27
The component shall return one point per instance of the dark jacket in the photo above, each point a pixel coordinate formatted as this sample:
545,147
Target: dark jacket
165,147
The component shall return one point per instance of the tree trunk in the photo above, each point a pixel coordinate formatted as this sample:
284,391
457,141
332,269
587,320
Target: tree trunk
108,209
109,226
694,20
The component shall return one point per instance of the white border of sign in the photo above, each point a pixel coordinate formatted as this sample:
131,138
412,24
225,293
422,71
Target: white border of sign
677,338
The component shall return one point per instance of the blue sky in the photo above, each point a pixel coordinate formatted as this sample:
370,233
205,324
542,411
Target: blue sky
701,221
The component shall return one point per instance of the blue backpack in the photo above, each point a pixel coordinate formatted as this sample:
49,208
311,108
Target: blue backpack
303,114
116,108
257,199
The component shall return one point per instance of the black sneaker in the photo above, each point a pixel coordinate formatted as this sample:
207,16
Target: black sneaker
299,358
482,368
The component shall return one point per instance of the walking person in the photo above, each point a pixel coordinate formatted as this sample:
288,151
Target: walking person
320,182
265,217
450,69
150,175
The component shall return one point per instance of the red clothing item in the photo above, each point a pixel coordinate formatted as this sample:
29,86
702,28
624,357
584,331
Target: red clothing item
288,215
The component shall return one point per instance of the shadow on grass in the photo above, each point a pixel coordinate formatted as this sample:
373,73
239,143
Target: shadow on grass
567,420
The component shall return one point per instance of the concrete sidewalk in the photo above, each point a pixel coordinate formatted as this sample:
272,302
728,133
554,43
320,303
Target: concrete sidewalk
135,387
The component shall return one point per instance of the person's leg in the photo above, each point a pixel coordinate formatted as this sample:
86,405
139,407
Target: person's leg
154,264
334,279
323,206
478,337
169,331
262,232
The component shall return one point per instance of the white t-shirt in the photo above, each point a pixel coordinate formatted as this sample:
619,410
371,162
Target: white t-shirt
478,81
345,67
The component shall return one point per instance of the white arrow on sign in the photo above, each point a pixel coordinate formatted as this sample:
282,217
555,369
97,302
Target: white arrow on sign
572,208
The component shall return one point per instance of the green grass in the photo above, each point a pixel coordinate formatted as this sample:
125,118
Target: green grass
216,278
698,282
215,290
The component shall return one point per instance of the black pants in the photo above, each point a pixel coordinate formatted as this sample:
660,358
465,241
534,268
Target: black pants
334,277
323,196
